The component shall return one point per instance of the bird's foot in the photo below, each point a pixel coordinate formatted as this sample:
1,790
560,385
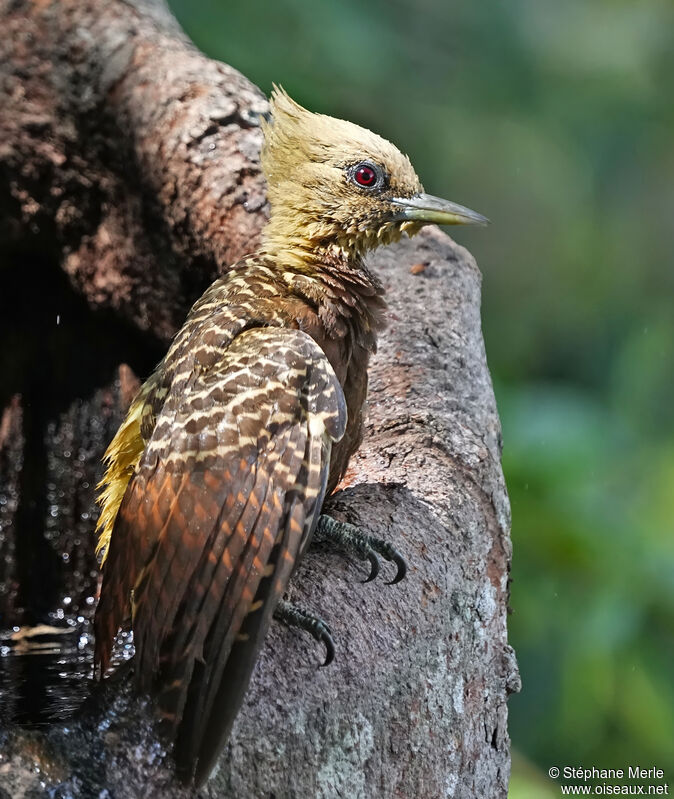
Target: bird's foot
365,547
292,616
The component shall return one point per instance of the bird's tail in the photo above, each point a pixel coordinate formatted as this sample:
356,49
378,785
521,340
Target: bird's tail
197,639
216,694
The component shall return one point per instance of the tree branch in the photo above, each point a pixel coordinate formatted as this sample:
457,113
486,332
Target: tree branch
129,176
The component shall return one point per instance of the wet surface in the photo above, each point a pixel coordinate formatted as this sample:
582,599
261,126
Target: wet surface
64,385
46,670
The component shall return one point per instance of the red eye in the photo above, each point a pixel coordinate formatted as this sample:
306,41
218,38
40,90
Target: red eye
365,175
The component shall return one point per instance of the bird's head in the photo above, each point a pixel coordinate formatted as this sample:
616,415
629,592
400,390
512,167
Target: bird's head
335,184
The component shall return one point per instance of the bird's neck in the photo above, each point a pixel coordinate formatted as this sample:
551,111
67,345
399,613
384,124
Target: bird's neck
302,242
330,274
324,254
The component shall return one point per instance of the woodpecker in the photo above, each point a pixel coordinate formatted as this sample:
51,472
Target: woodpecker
215,480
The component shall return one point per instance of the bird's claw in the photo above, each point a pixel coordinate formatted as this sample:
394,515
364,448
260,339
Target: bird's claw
401,564
292,616
388,552
329,644
374,567
366,547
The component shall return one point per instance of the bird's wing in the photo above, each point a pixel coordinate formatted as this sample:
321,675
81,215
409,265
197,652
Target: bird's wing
225,498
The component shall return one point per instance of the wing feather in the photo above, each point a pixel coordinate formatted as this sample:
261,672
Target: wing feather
224,501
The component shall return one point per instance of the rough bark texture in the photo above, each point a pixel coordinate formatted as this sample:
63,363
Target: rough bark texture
129,176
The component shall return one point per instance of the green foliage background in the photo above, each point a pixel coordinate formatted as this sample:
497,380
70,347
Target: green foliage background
556,120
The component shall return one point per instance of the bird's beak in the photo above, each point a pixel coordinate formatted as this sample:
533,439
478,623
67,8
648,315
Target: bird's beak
426,208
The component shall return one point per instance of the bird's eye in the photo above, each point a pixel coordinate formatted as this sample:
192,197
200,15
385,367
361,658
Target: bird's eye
366,175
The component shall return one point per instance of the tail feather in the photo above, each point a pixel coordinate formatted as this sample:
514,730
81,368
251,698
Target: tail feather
180,570
213,596
227,643
202,594
227,688
184,650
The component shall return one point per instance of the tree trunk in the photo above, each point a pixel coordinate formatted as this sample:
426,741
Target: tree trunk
129,177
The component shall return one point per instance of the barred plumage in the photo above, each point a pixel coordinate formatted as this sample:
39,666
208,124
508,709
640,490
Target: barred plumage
215,480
